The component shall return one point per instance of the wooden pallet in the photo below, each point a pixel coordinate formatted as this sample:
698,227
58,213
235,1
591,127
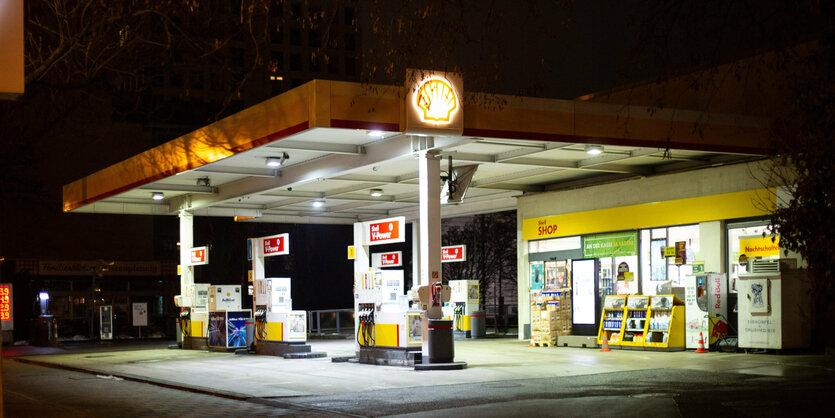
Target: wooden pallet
545,343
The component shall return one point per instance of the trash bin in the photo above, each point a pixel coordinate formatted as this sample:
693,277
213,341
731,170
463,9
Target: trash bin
180,332
477,324
250,332
439,341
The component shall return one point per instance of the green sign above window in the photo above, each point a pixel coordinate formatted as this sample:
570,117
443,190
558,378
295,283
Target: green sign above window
610,245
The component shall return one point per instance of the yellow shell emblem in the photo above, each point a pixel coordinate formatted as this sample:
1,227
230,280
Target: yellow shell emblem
437,100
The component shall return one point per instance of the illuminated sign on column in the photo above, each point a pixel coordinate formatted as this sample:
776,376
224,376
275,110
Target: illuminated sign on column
384,231
274,245
6,308
199,256
453,253
390,259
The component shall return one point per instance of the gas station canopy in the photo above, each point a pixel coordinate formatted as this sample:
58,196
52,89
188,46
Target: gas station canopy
346,152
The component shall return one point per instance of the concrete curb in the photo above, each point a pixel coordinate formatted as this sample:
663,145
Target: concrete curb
141,379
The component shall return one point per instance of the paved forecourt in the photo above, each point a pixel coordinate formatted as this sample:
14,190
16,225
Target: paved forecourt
489,360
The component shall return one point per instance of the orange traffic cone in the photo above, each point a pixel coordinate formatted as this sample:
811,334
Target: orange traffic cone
605,344
701,348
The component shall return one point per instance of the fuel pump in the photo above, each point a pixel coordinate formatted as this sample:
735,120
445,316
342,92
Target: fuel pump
384,323
275,319
463,303
194,315
279,329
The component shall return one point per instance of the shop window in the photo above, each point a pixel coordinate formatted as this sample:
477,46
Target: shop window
295,62
350,41
277,35
350,66
276,60
314,38
348,16
554,244
333,66
195,80
296,37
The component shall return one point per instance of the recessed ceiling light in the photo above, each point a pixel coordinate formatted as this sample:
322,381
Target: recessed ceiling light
156,195
376,192
594,149
277,161
318,203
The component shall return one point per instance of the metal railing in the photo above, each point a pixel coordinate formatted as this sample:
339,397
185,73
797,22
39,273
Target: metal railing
330,321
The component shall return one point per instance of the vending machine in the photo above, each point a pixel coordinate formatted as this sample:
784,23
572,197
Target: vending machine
275,319
384,319
227,321
774,306
706,308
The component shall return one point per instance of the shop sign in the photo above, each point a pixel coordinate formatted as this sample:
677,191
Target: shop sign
390,259
453,253
538,228
198,256
6,308
610,245
759,246
385,231
275,245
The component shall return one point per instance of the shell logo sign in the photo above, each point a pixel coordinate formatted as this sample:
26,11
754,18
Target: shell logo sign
437,100
434,103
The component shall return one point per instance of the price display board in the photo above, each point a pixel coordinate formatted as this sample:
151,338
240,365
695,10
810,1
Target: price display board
6,308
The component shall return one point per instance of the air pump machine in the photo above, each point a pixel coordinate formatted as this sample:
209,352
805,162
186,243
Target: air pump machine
279,329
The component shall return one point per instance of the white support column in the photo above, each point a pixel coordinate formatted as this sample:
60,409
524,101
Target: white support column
361,260
257,261
186,243
712,246
429,192
416,281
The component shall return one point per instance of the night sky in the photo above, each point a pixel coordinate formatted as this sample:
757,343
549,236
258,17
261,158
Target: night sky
587,47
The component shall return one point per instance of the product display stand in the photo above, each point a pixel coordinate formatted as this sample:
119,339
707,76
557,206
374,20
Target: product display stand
665,324
635,322
611,321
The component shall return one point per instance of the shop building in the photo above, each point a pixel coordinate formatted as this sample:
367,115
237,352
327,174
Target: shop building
623,229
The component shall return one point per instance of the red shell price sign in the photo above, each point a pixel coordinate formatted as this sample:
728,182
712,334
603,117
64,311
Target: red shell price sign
6,306
453,253
275,245
390,259
199,256
385,231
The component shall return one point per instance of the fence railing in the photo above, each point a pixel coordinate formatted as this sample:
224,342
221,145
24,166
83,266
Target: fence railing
330,321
